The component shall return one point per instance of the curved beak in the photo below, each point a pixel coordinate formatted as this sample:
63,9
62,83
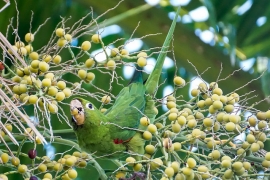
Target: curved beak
77,111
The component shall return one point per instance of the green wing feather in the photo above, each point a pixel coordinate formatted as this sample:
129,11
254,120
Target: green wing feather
127,111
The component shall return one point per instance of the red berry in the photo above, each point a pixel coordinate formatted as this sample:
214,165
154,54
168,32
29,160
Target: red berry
2,66
32,153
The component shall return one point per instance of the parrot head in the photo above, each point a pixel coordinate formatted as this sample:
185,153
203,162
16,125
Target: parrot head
81,111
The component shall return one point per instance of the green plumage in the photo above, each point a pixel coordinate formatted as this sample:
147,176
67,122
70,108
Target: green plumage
112,132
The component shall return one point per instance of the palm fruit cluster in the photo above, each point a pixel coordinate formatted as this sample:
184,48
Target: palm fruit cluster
63,167
210,124
39,82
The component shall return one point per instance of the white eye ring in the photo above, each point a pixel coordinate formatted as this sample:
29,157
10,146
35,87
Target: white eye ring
89,106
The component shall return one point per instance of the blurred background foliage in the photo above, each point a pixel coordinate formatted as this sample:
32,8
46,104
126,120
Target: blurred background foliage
234,33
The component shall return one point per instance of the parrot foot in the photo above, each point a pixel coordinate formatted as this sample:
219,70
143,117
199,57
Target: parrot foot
135,175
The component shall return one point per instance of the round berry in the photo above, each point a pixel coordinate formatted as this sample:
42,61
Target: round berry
82,74
235,96
137,167
58,167
228,174
29,48
43,66
141,62
52,91
86,45
155,163
191,163
130,161
255,147
252,121
4,177
250,138
46,82
33,178
144,121
192,123
90,76
124,52
187,171
19,44
22,168
215,154
32,153
42,168
230,100
230,126
150,149
68,37
262,124
61,85
226,163
67,92
178,81
171,104
57,59
72,173
111,65
69,162
195,92
29,37
89,63
142,54
61,42
114,52
169,171
171,98
59,32
22,51
218,91
52,108
35,64
60,96
267,156
208,122
106,99
33,99
9,127
48,176
246,165
147,135
152,128
14,48
217,105
266,163
96,38
201,104
237,166
176,128
22,88
5,158
34,55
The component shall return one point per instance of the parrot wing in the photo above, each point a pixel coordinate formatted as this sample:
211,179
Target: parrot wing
126,112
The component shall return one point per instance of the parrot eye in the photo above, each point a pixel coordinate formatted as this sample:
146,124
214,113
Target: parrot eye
89,106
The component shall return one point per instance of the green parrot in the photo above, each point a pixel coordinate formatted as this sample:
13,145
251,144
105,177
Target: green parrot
113,132
118,130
